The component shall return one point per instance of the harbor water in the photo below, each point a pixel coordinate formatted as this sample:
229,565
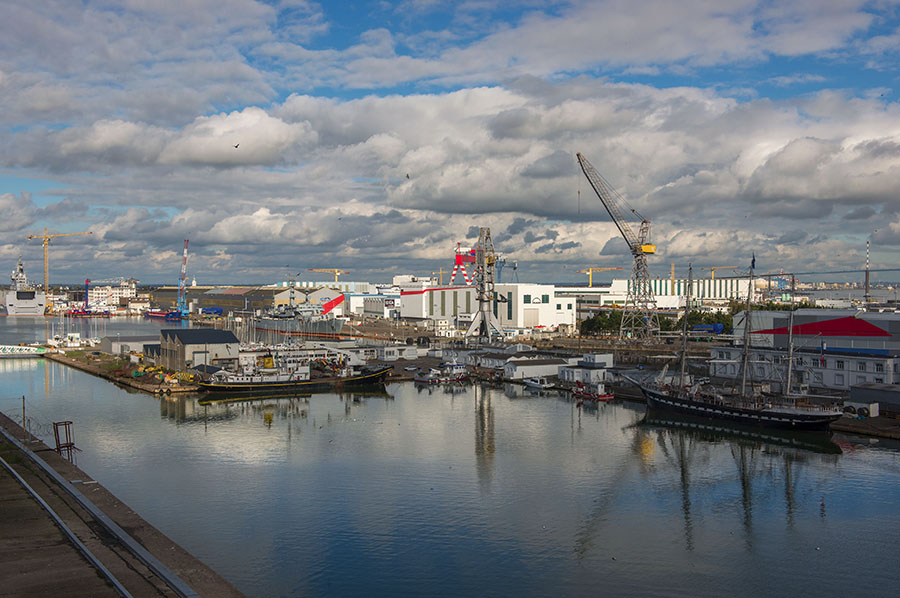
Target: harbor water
462,491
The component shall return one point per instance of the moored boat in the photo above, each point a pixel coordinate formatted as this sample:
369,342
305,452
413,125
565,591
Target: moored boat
538,383
298,380
160,314
708,403
440,376
86,313
593,392
23,298
743,406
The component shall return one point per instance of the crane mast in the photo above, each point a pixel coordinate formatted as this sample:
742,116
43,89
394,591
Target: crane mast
485,324
182,290
46,238
639,319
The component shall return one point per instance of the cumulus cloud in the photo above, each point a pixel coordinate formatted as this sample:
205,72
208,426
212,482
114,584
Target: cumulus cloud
18,212
134,112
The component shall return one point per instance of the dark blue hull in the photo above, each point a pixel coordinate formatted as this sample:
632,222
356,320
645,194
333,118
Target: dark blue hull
811,420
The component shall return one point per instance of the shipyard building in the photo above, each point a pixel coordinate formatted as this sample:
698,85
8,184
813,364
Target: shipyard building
832,349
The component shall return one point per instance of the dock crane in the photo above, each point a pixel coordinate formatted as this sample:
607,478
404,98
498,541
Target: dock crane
440,272
182,286
712,270
336,271
501,262
46,242
590,272
485,325
639,319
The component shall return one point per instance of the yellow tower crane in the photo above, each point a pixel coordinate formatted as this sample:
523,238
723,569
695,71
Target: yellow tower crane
336,271
46,237
590,272
712,269
440,272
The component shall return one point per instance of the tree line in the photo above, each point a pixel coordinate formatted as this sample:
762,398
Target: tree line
609,322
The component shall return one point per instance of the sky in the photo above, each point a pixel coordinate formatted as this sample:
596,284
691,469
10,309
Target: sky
373,136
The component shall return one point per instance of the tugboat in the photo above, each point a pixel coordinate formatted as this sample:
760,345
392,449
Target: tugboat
742,407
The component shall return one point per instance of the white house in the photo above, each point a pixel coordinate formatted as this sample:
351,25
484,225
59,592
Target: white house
395,352
591,369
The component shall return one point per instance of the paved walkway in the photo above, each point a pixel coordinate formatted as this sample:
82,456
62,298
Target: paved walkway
37,559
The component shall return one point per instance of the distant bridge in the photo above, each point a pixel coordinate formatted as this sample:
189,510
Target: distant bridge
20,351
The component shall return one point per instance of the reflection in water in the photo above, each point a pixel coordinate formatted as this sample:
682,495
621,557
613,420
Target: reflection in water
756,453
604,500
680,451
484,438
380,496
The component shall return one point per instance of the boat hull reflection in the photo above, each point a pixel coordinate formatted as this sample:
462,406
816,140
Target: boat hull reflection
704,429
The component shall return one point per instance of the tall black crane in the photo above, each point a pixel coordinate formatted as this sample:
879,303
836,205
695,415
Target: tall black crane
485,324
639,319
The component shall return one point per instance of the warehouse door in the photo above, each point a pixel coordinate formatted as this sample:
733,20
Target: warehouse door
531,318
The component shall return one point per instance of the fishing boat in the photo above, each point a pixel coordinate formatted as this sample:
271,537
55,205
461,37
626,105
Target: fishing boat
299,380
744,406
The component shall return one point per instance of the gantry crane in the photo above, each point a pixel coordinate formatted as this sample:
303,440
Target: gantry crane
639,319
46,237
501,262
590,272
712,270
336,271
485,324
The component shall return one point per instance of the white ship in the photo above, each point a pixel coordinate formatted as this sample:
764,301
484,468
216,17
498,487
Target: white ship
24,299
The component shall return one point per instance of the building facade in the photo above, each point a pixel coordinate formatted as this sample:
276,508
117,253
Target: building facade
183,348
832,349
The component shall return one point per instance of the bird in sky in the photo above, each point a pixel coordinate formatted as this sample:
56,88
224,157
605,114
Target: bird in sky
407,175
236,145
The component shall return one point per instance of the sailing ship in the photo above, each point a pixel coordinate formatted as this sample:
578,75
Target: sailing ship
23,298
741,407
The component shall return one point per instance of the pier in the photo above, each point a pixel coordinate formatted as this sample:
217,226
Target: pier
62,534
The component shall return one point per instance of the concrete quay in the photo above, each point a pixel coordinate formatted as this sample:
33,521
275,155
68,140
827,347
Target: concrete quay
121,380
37,559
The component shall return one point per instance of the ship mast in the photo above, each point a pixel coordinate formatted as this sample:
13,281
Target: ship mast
745,358
684,323
790,365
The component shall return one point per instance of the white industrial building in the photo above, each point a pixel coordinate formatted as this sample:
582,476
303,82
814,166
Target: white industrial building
112,295
707,293
519,369
519,306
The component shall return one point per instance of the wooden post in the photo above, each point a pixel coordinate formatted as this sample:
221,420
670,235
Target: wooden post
24,432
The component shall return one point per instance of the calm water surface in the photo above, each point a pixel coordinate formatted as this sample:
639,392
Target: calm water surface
478,492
